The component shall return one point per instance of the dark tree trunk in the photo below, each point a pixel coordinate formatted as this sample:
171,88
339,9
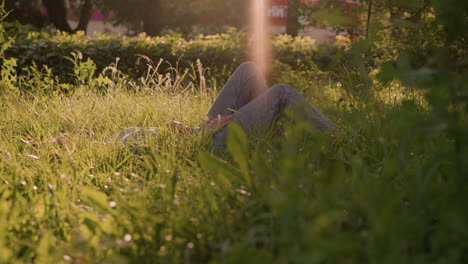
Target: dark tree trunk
58,15
369,17
85,15
292,21
152,24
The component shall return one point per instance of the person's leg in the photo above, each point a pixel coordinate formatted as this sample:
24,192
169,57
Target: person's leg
260,113
245,84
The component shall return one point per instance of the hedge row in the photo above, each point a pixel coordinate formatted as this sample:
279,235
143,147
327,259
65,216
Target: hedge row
221,52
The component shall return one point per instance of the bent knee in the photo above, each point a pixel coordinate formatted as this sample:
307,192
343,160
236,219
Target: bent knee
247,65
248,68
280,88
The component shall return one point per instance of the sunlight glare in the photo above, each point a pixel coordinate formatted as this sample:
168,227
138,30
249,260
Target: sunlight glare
260,51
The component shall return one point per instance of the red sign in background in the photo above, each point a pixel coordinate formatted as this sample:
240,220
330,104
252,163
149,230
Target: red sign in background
278,12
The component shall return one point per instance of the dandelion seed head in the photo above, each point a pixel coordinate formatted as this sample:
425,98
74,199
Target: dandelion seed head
127,237
162,248
199,236
35,187
50,186
23,183
32,156
168,237
190,245
112,204
162,186
67,258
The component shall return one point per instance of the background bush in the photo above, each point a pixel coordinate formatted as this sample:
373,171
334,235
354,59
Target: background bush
388,187
222,53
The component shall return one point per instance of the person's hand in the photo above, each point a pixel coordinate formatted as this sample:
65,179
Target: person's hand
218,123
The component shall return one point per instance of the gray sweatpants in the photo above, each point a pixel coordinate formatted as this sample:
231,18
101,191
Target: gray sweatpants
255,107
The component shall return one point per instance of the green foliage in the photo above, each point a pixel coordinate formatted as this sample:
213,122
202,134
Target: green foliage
388,186
380,195
221,53
8,65
384,188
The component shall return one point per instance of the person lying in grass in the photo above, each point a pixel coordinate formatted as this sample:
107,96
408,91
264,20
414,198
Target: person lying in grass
247,101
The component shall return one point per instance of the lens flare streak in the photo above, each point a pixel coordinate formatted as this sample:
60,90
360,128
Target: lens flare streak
260,50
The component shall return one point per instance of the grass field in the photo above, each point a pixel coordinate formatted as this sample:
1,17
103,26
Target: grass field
388,186
382,189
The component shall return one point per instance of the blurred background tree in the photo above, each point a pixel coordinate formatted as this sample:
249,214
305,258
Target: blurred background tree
25,12
185,16
139,15
292,22
149,16
57,14
40,13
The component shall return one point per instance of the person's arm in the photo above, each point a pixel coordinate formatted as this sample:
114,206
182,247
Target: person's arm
218,123
210,128
179,127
